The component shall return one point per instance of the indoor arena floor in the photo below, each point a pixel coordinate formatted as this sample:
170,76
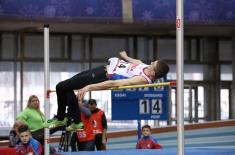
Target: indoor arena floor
168,151
211,141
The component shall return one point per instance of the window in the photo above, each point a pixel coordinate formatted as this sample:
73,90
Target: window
191,72
201,113
78,48
225,50
34,46
224,104
8,46
145,49
166,49
226,73
197,107
33,81
7,94
104,48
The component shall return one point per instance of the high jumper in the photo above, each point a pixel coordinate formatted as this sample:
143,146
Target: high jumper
123,71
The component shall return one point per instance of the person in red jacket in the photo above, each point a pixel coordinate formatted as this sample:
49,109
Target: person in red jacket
85,136
99,125
147,142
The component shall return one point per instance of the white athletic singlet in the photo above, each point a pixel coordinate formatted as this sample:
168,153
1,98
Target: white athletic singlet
120,69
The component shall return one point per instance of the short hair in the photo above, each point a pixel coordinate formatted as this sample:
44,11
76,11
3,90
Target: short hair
91,101
17,124
23,128
161,69
146,126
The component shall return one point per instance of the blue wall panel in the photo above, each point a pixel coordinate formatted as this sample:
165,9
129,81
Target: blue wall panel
153,11
61,9
195,11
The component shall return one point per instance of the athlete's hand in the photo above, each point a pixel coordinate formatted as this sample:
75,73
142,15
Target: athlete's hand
82,92
123,54
80,101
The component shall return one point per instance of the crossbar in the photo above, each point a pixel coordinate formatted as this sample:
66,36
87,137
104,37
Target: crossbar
172,83
146,85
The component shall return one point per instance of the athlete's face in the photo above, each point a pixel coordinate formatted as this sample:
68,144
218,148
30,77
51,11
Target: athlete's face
152,67
24,137
154,64
146,132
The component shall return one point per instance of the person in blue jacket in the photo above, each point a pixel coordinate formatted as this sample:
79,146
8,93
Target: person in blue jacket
147,142
27,145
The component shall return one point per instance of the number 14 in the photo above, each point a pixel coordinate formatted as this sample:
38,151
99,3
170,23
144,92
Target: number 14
154,104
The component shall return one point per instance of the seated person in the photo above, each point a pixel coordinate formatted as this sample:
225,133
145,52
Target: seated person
14,138
146,142
35,119
27,145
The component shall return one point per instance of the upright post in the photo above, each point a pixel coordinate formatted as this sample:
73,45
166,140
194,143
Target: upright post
180,75
46,87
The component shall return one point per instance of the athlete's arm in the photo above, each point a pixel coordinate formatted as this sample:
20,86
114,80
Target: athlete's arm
111,84
84,109
125,57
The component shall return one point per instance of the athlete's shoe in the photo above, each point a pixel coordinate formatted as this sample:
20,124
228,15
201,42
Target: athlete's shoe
74,127
54,122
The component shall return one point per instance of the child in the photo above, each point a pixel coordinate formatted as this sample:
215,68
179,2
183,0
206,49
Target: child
28,145
146,142
14,138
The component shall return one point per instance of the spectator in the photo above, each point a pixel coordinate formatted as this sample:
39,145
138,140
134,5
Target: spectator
99,125
14,138
146,142
34,118
28,145
84,137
